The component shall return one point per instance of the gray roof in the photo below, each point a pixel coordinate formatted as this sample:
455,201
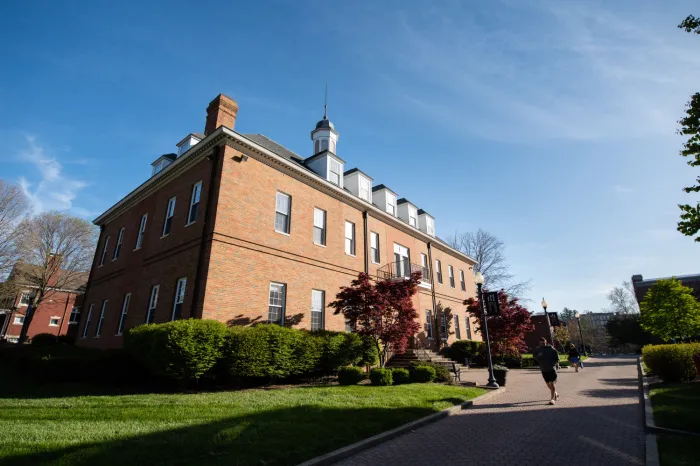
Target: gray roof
421,212
381,186
682,278
272,146
324,124
403,200
353,170
321,154
170,157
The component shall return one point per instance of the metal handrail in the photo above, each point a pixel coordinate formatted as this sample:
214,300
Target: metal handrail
402,269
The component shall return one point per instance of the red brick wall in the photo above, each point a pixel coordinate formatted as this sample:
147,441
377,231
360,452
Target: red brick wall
58,304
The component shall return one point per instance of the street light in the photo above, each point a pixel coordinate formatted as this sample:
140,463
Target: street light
580,332
479,280
549,327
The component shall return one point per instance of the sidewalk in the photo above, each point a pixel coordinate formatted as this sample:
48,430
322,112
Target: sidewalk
597,421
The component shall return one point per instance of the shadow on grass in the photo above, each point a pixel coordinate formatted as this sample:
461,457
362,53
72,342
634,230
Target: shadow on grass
277,437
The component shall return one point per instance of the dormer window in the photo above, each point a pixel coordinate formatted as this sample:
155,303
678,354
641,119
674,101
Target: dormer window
385,199
364,188
391,204
430,226
358,183
334,170
157,168
426,222
162,162
407,212
186,144
412,217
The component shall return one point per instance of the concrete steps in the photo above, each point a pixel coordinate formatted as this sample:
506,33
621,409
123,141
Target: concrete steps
411,356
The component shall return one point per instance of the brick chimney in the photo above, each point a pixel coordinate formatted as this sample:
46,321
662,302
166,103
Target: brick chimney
221,112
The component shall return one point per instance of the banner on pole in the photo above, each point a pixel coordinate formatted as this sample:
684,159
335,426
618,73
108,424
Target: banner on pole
492,306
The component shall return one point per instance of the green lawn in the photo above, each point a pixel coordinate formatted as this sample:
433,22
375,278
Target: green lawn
676,406
678,451
562,357
260,427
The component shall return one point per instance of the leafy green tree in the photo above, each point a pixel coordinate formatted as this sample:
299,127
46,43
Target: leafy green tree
626,330
669,310
567,314
689,224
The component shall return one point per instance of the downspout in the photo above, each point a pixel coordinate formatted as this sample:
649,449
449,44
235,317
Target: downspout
63,320
436,330
364,221
87,286
213,185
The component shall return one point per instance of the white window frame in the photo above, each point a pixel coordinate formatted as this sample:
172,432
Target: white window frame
429,324
18,318
152,304
142,231
282,306
287,214
364,188
104,252
74,316
438,271
118,247
315,308
98,330
122,317
424,267
338,171
391,204
87,321
374,247
443,326
430,226
350,241
458,331
451,272
320,216
194,202
180,290
28,294
169,214
467,327
462,283
57,319
412,217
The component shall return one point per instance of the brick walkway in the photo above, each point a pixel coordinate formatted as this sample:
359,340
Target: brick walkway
597,421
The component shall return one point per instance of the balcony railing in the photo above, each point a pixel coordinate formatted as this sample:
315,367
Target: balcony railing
402,269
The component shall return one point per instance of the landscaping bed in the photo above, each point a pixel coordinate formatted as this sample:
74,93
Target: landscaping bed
67,425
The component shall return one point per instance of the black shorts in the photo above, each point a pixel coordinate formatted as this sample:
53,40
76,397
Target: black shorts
549,376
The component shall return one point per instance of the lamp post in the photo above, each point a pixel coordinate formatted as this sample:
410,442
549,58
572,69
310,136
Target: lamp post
479,279
580,332
546,316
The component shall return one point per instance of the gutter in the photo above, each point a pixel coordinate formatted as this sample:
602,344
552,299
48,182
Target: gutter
364,222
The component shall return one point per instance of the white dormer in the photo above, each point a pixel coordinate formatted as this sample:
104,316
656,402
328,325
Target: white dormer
358,183
191,140
426,222
328,165
162,162
385,199
408,212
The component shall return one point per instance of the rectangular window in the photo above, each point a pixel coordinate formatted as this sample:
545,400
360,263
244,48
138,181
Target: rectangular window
374,247
452,275
461,280
348,326
53,321
169,212
98,330
194,202
428,324
104,252
430,226
74,316
443,326
25,299
364,189
412,217
334,171
438,271
318,305
349,238
320,226
275,310
142,231
125,309
19,320
152,303
391,204
118,247
424,266
458,333
468,328
179,298
87,321
283,209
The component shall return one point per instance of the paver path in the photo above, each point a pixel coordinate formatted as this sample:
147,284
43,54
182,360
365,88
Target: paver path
597,421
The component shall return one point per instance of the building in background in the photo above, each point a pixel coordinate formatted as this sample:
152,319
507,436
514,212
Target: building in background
641,286
532,339
58,314
235,227
593,328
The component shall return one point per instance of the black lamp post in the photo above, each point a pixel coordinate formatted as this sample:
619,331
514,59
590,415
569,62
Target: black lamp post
549,327
580,332
479,279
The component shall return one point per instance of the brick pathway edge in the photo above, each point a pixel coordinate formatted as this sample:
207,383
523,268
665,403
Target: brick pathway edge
350,450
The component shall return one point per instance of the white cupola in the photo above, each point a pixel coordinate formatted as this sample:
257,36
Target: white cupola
324,137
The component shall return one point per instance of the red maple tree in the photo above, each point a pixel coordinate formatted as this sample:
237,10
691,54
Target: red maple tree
383,311
507,330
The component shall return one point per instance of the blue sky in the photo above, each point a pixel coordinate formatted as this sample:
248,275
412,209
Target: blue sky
551,125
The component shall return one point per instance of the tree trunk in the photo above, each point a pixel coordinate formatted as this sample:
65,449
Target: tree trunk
28,317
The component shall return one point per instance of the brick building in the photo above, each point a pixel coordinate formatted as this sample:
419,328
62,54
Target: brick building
641,286
237,228
58,314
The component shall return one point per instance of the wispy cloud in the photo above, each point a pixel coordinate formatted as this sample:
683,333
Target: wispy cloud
622,189
52,190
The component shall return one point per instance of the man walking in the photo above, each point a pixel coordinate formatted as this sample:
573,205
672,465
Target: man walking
548,359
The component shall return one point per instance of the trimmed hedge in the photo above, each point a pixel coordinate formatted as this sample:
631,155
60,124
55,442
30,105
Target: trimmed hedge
44,339
673,363
400,375
350,375
181,350
379,376
442,373
462,349
422,374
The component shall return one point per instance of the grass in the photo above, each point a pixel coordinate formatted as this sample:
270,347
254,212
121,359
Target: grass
562,357
261,427
678,451
676,406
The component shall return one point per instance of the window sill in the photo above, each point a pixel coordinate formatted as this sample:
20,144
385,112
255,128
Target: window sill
319,245
351,255
54,325
283,233
97,336
136,249
165,236
376,263
191,223
118,334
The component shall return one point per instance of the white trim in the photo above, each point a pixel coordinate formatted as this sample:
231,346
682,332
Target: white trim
87,322
57,324
168,216
196,190
122,316
118,247
142,231
180,290
152,303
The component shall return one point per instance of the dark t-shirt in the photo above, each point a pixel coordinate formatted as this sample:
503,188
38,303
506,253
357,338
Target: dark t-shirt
547,357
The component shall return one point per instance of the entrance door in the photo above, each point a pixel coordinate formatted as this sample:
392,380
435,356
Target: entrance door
402,259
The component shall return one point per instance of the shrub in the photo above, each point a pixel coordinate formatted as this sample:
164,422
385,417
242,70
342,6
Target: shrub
673,363
442,373
350,375
44,339
462,349
498,367
380,376
423,374
339,349
271,352
400,375
182,350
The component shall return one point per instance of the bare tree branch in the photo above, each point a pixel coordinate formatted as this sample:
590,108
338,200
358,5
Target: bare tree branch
622,299
13,207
